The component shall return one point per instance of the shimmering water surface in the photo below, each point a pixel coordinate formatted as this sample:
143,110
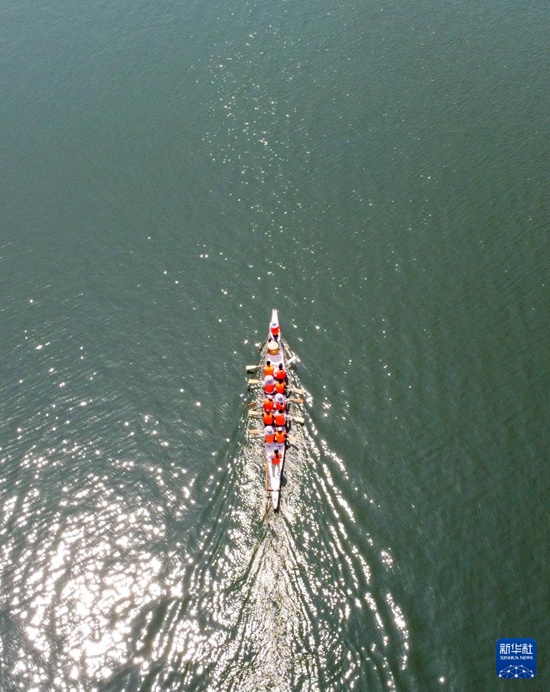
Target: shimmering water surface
170,172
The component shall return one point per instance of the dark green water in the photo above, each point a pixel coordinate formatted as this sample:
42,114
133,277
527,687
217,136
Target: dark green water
170,172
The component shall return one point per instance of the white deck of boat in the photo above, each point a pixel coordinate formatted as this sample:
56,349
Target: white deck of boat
275,470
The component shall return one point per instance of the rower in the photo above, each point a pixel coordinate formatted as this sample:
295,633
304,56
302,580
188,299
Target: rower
275,330
269,384
280,436
268,418
269,369
280,419
268,403
280,402
281,374
280,387
269,434
276,458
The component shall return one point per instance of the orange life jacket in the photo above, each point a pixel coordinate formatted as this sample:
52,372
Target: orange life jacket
276,459
280,437
280,387
280,419
275,330
268,404
281,375
268,418
270,438
280,407
269,388
269,370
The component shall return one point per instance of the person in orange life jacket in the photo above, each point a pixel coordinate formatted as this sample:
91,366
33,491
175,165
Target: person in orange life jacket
280,436
280,402
268,418
269,434
269,369
276,458
281,374
275,331
268,403
280,387
269,384
280,419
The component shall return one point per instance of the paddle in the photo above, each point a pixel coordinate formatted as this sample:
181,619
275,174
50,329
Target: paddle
251,368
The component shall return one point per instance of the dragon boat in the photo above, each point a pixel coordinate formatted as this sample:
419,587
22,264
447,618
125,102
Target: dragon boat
276,351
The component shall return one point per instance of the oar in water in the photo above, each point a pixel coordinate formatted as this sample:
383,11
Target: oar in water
251,368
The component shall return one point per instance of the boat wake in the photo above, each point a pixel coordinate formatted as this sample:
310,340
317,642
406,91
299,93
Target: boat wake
199,589
298,600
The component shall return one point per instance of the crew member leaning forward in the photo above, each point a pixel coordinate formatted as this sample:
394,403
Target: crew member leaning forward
269,384
280,436
269,434
280,375
280,419
280,402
